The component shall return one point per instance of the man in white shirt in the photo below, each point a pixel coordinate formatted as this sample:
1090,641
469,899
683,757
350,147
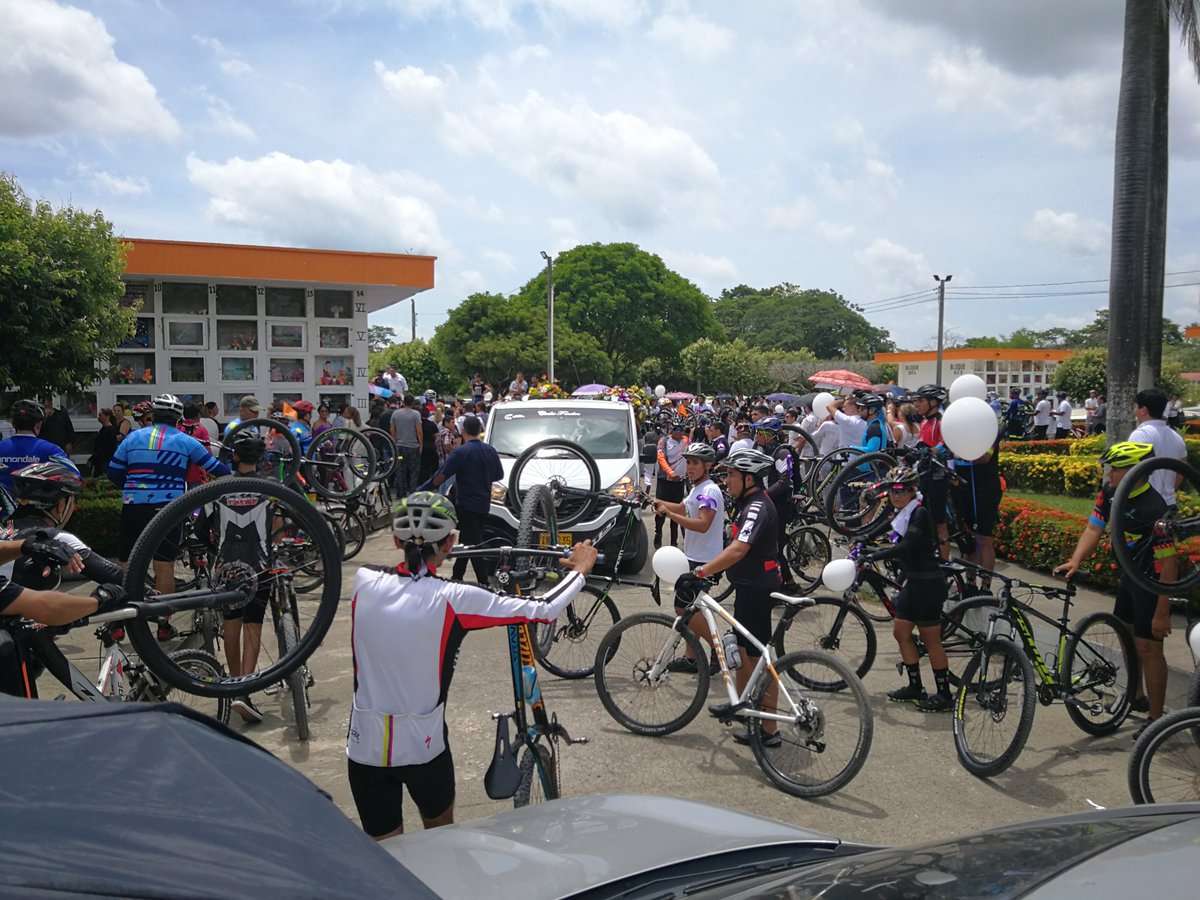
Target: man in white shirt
1042,415
1064,416
852,428
1089,407
744,441
1149,408
396,382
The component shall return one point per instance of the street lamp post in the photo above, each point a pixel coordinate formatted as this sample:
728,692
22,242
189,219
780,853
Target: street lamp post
550,313
941,323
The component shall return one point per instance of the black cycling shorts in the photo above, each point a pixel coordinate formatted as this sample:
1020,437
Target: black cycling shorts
379,791
253,612
979,503
668,490
1135,607
752,608
134,519
934,493
921,601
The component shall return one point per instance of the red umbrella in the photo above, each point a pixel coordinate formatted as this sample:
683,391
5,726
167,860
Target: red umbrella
840,378
680,395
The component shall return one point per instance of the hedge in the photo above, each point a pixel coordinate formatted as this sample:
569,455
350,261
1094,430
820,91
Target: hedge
1070,476
97,522
1028,448
1041,537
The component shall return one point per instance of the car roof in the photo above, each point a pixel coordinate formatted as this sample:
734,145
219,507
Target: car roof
565,401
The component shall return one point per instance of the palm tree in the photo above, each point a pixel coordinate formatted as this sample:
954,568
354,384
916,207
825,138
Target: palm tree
1139,223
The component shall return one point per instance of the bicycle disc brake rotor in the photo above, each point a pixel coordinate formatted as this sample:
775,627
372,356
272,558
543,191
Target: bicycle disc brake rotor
236,576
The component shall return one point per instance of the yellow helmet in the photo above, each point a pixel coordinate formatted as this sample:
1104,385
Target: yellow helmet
1124,454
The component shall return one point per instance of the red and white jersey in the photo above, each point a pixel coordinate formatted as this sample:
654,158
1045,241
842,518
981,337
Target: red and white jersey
405,631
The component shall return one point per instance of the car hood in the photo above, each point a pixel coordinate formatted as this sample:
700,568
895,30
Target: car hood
610,471
559,848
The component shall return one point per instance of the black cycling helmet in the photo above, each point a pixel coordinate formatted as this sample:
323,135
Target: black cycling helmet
677,424
29,410
43,484
700,451
770,423
247,446
933,392
868,400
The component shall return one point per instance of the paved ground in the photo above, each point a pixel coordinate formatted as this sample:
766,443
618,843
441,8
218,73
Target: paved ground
911,787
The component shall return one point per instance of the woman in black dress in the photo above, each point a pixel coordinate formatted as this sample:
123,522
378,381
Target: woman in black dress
105,445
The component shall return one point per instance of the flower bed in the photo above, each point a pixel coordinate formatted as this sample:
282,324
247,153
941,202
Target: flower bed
1073,476
1037,448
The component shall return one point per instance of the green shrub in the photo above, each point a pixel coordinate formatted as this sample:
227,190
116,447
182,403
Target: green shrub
1070,476
97,523
1041,537
1027,448
1088,446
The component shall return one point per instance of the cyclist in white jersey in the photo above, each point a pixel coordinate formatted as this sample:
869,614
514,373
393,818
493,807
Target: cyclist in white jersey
406,625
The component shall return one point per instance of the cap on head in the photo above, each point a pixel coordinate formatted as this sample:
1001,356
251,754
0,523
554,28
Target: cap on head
250,403
303,407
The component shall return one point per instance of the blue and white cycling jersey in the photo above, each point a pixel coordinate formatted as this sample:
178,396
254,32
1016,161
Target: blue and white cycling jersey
150,465
23,450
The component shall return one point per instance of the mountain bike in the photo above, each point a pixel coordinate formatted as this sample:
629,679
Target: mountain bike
284,608
825,735
1162,561
536,776
1165,764
1092,669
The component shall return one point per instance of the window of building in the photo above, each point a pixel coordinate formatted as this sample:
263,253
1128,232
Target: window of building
1027,365
184,298
142,336
290,397
337,370
237,300
133,368
285,337
1037,366
139,295
237,334
237,368
1027,378
331,304
198,399
286,302
990,379
334,337
990,366
230,404
82,406
289,369
129,401
186,334
187,369
335,402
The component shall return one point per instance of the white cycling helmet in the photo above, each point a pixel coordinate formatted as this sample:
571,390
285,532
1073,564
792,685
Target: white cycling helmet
424,517
748,460
167,403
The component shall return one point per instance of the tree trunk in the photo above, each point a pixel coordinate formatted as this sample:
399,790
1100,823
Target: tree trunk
1139,211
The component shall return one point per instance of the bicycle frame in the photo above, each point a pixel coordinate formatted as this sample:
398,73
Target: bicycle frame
1018,614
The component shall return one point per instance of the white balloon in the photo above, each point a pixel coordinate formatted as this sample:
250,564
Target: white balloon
968,385
669,563
839,574
660,391
969,428
487,396
779,409
820,404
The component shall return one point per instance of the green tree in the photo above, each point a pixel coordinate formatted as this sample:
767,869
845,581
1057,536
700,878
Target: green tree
486,333
889,373
419,365
786,317
1082,372
625,298
1139,225
60,280
379,337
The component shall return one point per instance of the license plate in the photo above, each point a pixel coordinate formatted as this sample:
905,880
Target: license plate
564,537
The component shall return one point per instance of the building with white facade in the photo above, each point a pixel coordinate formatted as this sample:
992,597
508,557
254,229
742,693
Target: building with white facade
1000,368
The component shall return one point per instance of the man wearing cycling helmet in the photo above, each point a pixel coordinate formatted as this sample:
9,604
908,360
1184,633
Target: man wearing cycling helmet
781,481
301,426
672,468
406,626
150,467
927,400
701,515
25,447
914,546
751,559
243,524
1148,617
852,427
877,435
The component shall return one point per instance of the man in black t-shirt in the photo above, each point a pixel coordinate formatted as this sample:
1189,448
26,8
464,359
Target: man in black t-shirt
977,500
751,561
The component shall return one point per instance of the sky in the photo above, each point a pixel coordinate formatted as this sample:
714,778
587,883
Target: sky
855,145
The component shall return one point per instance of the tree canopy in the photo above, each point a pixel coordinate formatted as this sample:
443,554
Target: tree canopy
787,317
60,277
1093,334
418,364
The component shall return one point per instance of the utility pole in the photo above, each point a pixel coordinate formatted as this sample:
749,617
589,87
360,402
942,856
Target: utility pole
550,313
941,323
414,317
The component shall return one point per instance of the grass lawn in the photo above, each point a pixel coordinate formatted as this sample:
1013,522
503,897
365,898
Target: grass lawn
1080,506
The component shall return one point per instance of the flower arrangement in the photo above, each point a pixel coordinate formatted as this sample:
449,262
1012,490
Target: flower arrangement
641,402
127,375
547,391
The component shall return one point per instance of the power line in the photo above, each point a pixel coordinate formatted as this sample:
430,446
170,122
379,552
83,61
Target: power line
981,287
906,296
1042,295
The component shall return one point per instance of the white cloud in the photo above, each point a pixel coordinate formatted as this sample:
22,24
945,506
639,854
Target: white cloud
709,271
893,268
638,173
792,216
835,231
1068,231
692,35
230,63
61,74
502,15
500,260
415,89
223,120
527,52
469,282
119,185
318,203
566,234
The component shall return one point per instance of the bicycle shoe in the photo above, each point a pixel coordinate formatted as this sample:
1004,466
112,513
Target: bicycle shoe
769,739
1140,704
247,710
910,693
936,703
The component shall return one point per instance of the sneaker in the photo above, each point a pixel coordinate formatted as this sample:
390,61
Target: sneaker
1140,704
682,664
247,710
910,693
935,703
769,739
166,632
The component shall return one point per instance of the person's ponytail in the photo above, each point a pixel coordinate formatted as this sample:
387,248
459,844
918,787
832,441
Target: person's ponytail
413,556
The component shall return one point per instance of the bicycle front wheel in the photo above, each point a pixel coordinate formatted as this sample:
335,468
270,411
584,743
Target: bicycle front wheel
201,665
634,677
855,503
993,712
339,463
1099,673
836,627
807,551
385,453
566,647
286,636
539,777
1165,764
828,736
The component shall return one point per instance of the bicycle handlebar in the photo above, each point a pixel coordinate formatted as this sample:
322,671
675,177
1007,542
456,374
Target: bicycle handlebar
488,552
1049,590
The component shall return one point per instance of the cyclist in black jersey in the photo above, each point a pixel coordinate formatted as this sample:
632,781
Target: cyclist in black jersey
715,437
751,559
977,499
780,481
914,545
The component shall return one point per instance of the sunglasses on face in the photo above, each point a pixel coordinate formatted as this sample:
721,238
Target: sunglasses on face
900,488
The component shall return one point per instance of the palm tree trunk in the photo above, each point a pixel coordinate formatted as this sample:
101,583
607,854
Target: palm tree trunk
1139,211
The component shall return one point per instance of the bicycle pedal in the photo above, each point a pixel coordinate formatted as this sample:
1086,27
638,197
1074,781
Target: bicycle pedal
727,712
